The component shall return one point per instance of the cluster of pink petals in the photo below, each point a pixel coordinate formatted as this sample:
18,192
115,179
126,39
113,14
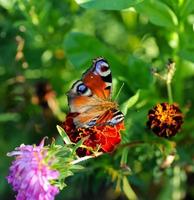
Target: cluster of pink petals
30,176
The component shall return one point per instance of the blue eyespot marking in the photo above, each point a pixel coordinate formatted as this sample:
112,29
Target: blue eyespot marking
81,88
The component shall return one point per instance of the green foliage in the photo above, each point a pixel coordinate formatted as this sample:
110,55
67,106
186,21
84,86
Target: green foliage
81,53
130,103
49,44
64,135
107,5
158,13
63,157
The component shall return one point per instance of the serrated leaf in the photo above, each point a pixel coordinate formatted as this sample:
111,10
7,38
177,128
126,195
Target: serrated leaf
64,135
67,173
77,167
130,194
107,4
158,13
130,102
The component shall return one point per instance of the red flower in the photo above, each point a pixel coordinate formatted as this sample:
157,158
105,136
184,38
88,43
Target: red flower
102,138
165,119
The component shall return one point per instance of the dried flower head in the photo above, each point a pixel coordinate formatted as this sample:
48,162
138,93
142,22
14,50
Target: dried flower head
103,138
30,174
165,119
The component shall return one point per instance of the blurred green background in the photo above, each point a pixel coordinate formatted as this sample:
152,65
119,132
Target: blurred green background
46,45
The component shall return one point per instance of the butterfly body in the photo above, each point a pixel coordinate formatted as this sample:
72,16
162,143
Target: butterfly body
90,97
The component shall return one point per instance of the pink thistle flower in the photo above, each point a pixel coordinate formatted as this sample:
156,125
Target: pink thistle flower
31,173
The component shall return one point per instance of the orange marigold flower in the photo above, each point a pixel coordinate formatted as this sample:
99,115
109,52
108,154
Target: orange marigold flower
101,138
165,119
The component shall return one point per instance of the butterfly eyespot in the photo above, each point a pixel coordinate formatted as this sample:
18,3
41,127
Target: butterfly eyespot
83,90
90,99
102,68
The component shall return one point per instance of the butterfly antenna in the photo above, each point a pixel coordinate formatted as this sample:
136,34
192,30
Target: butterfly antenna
120,89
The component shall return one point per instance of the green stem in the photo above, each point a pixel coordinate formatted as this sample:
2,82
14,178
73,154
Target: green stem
169,89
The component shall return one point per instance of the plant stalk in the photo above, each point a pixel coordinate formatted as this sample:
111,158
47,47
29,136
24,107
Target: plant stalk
169,90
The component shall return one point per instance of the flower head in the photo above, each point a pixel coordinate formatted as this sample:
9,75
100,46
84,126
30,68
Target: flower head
165,119
30,174
103,138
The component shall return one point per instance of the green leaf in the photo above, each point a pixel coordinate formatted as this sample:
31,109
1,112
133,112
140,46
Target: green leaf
78,144
128,190
165,146
4,117
64,135
138,74
158,13
82,49
187,54
77,167
107,4
67,173
8,4
187,8
124,157
130,102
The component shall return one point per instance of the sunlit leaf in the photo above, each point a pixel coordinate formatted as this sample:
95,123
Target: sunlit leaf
107,4
77,167
63,135
187,7
8,4
128,190
130,102
158,12
124,157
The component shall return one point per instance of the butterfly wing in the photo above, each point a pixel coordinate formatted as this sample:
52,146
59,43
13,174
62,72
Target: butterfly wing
99,78
90,96
109,117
